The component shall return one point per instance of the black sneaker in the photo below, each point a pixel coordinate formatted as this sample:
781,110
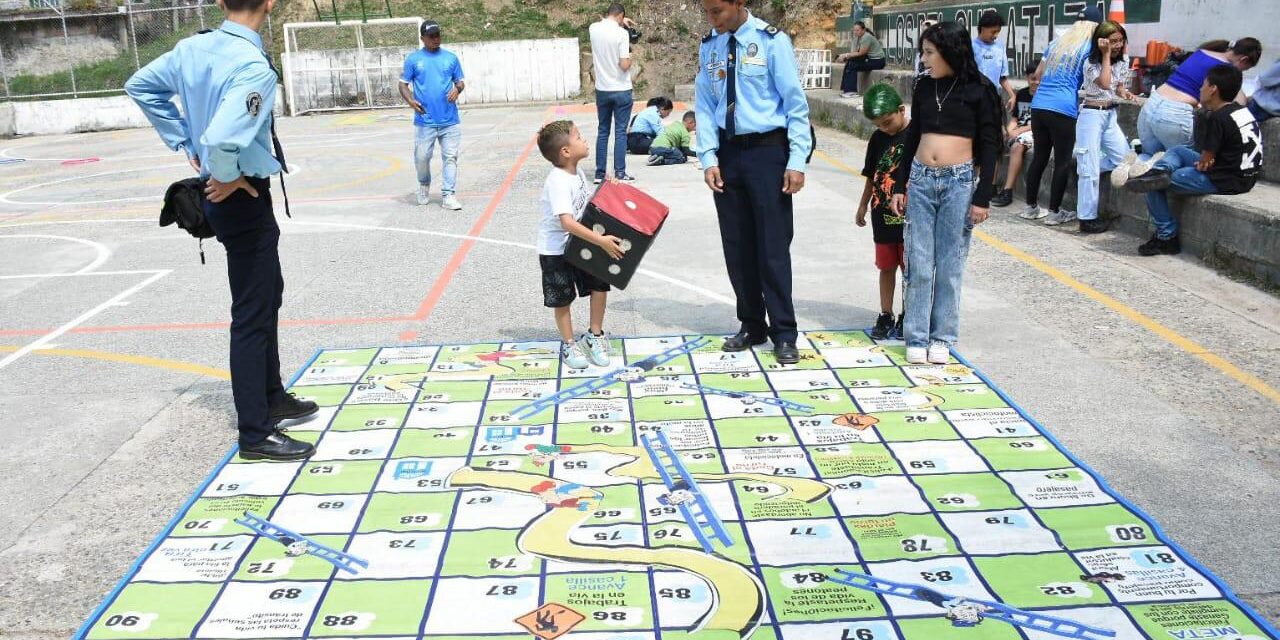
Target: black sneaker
1155,247
625,177
1153,180
598,180
884,326
1002,199
1093,226
897,328
291,408
277,446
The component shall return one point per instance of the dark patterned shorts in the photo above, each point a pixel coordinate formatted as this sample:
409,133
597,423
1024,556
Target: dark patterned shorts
561,280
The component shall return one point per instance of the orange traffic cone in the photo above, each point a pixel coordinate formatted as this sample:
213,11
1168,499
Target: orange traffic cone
1117,11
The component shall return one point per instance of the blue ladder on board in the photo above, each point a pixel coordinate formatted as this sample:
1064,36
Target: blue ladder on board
278,533
531,409
994,610
701,517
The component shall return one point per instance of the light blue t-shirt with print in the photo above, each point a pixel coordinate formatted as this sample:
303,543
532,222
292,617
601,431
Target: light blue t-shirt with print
1060,87
432,75
993,60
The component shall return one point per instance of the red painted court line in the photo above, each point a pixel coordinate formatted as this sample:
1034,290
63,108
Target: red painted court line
455,262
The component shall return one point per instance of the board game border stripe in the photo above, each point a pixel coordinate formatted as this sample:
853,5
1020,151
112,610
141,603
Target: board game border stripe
111,596
1228,594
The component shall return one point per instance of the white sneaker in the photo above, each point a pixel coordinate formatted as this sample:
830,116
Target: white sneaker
451,203
1033,212
917,355
596,348
849,94
573,356
939,353
1139,167
1061,216
1120,175
424,194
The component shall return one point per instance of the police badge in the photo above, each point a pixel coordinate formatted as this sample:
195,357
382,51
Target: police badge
752,50
253,104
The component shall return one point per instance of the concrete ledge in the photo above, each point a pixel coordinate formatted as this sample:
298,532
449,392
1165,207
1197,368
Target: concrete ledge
80,115
1240,234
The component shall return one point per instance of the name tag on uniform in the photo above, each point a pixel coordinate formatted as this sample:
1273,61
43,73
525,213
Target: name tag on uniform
715,65
755,60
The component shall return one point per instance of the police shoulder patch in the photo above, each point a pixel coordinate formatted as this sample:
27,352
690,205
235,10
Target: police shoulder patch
770,29
253,104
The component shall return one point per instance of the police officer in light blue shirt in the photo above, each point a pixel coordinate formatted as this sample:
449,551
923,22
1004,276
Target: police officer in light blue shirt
753,141
227,87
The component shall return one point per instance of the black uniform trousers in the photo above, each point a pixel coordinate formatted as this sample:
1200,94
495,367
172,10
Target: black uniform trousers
247,227
756,227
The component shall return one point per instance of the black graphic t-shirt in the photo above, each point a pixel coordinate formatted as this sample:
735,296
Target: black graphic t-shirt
1234,136
884,153
1022,106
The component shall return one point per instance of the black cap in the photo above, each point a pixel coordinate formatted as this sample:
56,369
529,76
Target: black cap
1091,13
429,27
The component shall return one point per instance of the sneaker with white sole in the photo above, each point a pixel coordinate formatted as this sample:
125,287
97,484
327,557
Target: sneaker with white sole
849,94
1061,216
424,194
939,353
451,203
596,348
654,160
1140,168
1120,174
917,355
573,356
1033,212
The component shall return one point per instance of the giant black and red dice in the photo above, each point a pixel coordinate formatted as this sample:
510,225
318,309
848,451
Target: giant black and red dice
626,212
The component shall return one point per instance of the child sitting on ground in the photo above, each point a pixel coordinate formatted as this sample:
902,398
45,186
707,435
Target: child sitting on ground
647,125
1228,161
1018,136
564,198
672,145
883,106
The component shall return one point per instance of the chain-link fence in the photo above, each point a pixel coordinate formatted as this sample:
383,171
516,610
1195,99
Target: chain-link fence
52,51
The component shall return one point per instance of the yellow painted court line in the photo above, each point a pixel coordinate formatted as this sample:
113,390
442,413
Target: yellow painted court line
142,361
1133,315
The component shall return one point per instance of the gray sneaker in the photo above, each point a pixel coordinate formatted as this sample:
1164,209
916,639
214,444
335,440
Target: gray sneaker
1061,216
1032,212
573,356
596,348
451,203
424,194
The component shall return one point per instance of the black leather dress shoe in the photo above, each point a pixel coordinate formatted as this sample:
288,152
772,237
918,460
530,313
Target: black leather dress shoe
786,353
742,341
291,408
277,446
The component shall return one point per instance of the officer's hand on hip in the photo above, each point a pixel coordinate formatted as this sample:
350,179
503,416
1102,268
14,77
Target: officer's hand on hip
712,176
792,182
216,191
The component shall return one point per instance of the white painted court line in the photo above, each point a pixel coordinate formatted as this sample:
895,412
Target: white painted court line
103,253
23,276
114,301
294,170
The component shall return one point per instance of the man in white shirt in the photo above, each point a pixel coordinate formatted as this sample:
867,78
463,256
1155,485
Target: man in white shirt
611,62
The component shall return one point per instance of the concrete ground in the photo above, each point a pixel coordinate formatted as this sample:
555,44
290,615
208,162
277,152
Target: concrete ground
1159,373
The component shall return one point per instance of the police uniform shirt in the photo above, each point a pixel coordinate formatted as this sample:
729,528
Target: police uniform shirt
227,88
769,93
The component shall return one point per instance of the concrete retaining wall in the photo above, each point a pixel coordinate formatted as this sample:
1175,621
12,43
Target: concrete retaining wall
1237,233
53,117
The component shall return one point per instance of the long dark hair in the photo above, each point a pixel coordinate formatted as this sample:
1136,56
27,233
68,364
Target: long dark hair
955,45
1105,30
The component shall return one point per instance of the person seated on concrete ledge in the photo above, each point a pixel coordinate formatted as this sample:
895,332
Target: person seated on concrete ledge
648,124
865,55
1018,135
1265,101
1228,161
672,145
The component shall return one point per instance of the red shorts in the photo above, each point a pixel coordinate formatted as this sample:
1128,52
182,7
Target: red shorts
890,256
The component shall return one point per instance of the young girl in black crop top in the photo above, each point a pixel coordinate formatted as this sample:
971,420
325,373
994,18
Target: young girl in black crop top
954,139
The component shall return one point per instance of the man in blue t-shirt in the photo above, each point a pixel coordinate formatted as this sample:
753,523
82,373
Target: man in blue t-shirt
431,83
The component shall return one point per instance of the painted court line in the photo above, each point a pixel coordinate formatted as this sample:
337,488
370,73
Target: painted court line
115,300
102,254
1129,313
142,361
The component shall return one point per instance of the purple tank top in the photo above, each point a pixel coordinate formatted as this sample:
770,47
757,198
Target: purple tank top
1189,75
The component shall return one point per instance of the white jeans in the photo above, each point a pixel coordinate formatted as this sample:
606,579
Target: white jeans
1100,146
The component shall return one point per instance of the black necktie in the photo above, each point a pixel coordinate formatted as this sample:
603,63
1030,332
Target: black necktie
279,150
731,90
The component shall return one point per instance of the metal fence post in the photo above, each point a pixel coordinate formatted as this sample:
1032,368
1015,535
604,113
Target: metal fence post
66,42
133,37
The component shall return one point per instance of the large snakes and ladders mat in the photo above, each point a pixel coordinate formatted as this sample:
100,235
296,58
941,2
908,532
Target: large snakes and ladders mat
679,491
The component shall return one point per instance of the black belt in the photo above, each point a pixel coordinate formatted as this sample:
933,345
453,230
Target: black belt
775,138
1098,108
